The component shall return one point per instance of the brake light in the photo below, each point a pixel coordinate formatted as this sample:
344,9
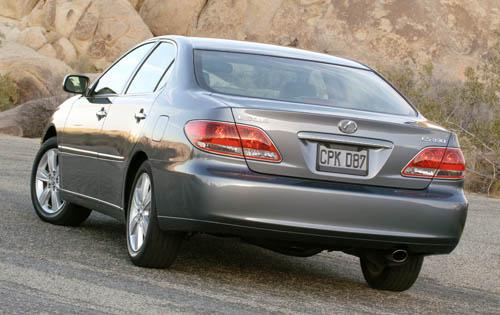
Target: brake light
236,140
437,163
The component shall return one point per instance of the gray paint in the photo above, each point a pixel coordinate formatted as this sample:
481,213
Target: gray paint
291,200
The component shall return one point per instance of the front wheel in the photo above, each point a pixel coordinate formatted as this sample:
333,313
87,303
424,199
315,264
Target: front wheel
392,277
148,246
45,190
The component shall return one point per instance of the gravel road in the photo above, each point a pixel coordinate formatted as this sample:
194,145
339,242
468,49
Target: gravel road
52,269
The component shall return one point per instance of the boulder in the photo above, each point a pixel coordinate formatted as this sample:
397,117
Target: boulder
33,37
36,75
100,30
171,16
137,4
9,29
48,50
9,124
65,50
30,119
16,9
451,34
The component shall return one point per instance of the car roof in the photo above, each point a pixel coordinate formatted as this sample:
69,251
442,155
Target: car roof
261,49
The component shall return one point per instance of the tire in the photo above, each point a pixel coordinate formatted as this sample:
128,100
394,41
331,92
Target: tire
45,177
392,277
158,249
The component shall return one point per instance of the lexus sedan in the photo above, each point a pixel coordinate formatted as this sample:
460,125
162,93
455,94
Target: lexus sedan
294,151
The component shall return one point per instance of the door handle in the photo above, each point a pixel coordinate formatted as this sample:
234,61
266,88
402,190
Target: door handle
140,115
101,113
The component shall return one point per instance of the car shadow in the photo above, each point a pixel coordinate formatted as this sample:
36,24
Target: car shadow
217,264
228,258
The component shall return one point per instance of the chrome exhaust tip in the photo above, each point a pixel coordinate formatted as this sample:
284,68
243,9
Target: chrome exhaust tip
399,256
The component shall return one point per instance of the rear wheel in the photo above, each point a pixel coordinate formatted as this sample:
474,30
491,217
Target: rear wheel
389,276
45,189
148,245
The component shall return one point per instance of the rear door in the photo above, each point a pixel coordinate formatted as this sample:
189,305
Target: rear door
127,116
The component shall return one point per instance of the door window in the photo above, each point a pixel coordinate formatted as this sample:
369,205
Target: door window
153,70
114,80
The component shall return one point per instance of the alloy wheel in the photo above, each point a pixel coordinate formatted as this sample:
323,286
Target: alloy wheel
139,214
48,181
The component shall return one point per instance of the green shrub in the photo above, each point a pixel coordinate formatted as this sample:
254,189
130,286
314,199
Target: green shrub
9,93
470,108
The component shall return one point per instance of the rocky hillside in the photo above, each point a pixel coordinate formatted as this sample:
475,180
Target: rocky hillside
91,33
41,40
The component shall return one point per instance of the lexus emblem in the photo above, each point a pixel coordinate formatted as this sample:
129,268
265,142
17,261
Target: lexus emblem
348,126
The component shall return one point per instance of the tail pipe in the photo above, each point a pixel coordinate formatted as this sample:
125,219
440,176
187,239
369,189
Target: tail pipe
398,256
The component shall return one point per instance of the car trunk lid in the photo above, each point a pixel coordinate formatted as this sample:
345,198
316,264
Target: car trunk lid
299,131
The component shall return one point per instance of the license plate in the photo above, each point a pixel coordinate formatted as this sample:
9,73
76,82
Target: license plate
342,159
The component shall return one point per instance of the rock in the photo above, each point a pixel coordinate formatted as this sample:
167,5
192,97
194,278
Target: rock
451,34
30,119
137,4
36,75
171,16
65,50
33,37
100,30
9,29
48,50
16,9
9,124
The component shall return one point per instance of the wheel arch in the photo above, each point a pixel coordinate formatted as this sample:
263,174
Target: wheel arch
50,132
135,162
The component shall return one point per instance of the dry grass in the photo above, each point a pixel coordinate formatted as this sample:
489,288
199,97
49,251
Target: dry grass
9,93
470,108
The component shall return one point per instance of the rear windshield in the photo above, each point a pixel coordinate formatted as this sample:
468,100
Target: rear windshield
292,80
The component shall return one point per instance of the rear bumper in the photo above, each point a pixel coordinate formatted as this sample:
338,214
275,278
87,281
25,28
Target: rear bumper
214,197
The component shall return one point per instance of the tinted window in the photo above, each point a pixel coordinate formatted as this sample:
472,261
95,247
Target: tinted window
114,80
294,80
153,69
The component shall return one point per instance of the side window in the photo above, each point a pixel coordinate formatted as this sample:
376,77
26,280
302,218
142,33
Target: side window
114,80
153,69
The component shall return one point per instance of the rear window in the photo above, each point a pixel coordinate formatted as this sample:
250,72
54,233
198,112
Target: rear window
292,80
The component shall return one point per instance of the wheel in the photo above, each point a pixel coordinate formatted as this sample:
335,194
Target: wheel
45,190
148,246
392,277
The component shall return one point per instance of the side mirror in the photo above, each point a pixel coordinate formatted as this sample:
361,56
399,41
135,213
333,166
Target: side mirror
75,83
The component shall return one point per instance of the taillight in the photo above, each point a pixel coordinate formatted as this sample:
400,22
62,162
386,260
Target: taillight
437,163
232,139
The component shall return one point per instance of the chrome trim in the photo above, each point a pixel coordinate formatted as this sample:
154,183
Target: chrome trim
62,147
323,137
110,156
92,153
91,198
